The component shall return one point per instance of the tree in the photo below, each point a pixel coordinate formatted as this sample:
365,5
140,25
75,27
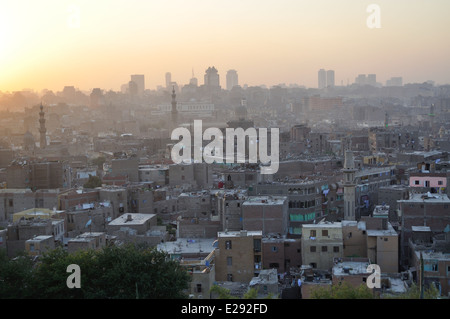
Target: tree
125,272
413,292
221,292
15,276
99,161
93,182
342,291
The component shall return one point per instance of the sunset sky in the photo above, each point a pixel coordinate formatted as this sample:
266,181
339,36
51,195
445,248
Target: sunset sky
48,44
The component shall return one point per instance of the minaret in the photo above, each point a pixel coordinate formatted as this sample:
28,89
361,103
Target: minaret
42,129
386,120
349,186
174,116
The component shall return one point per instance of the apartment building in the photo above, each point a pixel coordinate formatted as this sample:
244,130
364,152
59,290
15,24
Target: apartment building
238,255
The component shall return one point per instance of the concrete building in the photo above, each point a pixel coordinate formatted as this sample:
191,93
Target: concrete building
330,78
434,251
87,241
14,201
141,223
128,167
266,213
212,79
196,176
196,218
305,200
139,79
238,256
322,79
352,271
266,283
232,79
38,245
382,247
18,233
229,209
422,210
322,244
354,236
281,253
197,256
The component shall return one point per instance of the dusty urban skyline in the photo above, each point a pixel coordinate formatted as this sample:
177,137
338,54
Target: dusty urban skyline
50,44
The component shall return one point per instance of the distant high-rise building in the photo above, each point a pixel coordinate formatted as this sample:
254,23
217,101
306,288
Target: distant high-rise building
322,79
168,79
193,81
139,79
232,79
361,79
212,79
330,78
133,88
372,79
395,81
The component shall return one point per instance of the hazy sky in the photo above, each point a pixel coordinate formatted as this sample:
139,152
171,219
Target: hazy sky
100,43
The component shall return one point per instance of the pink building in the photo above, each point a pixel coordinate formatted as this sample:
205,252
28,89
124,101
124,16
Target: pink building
435,182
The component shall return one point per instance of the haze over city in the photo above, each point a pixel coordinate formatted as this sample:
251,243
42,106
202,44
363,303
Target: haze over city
205,149
48,44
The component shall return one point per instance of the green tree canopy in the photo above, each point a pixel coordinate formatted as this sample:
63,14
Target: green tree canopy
342,291
125,272
93,182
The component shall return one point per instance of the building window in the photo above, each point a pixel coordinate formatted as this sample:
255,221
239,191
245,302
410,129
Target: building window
440,183
312,249
324,232
312,233
274,249
11,203
229,261
335,249
257,245
416,182
385,239
228,244
199,287
182,177
324,249
230,277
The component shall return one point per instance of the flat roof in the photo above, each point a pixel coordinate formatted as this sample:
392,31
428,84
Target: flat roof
324,225
188,246
421,228
421,198
239,233
353,267
40,238
136,219
265,200
436,255
382,232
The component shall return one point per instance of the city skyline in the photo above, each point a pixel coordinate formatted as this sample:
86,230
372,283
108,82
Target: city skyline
51,45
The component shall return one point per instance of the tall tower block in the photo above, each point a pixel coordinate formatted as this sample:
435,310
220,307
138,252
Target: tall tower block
42,129
349,186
